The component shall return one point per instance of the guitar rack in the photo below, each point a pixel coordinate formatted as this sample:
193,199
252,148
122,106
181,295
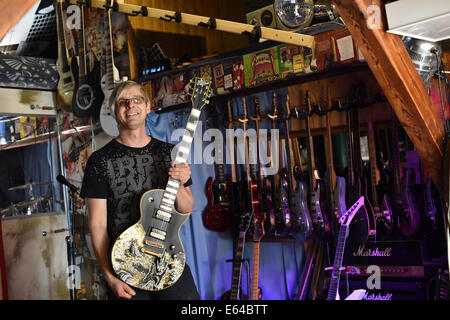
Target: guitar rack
254,32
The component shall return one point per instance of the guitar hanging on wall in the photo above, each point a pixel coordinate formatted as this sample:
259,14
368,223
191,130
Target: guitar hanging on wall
149,255
111,77
88,95
66,82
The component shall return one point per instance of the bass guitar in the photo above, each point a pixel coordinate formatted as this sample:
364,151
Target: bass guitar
110,79
344,221
302,226
316,185
66,82
149,255
218,212
88,95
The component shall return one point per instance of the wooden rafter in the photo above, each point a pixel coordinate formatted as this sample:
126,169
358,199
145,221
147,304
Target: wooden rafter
393,69
11,12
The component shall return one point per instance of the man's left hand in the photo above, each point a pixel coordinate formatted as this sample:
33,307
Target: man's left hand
180,172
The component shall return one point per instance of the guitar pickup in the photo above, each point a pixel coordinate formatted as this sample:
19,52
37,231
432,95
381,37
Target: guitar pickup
162,215
151,252
158,234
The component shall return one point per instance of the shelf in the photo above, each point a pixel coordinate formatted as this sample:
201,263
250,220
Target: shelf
310,77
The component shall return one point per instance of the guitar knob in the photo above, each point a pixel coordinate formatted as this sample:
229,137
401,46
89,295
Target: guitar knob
174,256
172,247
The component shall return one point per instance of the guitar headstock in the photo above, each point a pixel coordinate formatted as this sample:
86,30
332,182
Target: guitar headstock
201,93
244,223
348,216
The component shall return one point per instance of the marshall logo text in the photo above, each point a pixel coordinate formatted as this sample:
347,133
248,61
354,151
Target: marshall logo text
363,252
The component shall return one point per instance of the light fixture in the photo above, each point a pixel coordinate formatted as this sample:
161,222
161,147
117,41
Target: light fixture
426,20
294,14
425,55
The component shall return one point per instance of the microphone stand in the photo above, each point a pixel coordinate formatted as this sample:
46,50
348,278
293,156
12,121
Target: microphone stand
69,212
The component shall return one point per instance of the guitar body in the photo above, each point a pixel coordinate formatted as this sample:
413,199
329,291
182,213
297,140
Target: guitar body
107,120
284,214
318,210
89,96
217,215
146,262
270,221
409,219
65,87
303,225
359,232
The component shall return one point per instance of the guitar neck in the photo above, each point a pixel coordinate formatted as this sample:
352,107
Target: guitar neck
374,174
338,257
230,143
254,293
329,148
62,51
396,155
236,278
109,52
310,147
350,169
81,46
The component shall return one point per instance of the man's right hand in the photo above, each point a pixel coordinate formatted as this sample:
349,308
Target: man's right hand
121,289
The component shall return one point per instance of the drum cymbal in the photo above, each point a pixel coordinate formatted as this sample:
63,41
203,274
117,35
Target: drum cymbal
28,203
29,185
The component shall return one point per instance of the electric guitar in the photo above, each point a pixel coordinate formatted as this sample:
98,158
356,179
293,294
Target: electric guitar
236,291
66,82
265,183
280,195
344,221
355,185
88,95
302,226
109,80
336,184
405,204
382,212
316,187
218,212
149,255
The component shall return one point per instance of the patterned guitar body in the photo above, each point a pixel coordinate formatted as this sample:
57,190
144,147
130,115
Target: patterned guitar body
140,257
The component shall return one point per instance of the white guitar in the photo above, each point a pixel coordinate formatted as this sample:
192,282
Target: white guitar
344,221
109,80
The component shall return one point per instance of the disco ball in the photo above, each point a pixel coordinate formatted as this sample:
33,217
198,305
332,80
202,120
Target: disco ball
295,13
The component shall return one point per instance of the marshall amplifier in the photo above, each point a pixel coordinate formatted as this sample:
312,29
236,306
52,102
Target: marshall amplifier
382,253
389,290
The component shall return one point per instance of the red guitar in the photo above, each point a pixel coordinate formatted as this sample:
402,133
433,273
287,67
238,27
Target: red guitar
218,213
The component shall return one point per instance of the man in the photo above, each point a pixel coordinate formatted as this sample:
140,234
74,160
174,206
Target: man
115,178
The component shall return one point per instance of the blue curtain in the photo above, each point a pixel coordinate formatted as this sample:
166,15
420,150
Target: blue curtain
207,251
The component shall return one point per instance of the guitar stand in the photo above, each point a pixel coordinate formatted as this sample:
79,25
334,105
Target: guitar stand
176,17
255,35
111,4
143,12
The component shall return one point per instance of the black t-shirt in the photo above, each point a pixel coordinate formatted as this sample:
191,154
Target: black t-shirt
121,174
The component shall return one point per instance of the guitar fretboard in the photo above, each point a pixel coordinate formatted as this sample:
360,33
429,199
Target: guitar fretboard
236,278
336,273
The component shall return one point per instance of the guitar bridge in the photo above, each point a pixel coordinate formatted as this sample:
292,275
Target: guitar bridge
151,252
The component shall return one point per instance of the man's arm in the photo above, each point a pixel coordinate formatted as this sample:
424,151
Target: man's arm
184,203
100,242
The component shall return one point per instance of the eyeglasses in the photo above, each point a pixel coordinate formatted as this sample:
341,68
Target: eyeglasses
126,102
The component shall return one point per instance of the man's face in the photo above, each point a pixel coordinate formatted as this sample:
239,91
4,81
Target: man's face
131,108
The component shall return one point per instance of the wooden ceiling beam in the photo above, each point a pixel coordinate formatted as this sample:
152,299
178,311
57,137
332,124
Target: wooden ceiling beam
392,67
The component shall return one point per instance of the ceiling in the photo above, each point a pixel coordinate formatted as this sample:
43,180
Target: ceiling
35,34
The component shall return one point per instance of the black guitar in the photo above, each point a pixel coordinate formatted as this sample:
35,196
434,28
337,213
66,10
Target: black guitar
236,291
364,226
316,185
149,255
88,95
